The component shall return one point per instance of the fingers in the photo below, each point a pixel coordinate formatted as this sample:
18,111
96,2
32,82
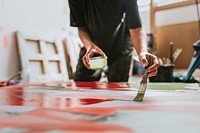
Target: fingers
143,60
86,57
102,53
154,66
90,52
152,63
99,51
95,50
153,73
86,62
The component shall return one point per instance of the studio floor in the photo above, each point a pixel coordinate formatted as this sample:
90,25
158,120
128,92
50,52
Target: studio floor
100,107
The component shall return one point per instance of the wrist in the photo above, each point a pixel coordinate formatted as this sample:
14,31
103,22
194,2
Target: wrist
89,45
142,53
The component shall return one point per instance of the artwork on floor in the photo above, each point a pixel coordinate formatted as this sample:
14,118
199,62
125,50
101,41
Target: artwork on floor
62,120
99,107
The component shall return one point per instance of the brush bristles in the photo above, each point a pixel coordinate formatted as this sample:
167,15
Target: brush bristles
139,97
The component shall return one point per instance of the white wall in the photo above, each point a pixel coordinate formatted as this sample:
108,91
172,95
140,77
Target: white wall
46,15
169,17
176,16
145,18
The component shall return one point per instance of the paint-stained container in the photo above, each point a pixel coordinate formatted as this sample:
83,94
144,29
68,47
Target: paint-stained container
165,74
97,63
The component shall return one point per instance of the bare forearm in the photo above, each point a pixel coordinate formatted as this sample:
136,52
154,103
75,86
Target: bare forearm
90,47
139,40
138,37
85,38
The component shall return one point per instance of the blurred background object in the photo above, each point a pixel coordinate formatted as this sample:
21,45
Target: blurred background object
164,21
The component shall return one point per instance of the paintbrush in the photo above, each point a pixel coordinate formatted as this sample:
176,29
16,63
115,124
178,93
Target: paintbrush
143,84
142,88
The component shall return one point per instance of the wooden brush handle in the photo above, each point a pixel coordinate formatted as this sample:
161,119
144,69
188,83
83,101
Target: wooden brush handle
145,76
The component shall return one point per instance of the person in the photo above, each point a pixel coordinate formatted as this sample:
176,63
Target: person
109,28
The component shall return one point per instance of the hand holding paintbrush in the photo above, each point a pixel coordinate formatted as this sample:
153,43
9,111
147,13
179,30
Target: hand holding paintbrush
143,83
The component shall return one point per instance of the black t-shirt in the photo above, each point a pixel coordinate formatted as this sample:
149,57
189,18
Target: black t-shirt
107,22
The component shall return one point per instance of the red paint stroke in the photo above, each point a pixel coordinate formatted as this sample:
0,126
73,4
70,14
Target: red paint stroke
87,85
3,84
42,120
106,110
99,85
78,114
15,96
6,41
85,101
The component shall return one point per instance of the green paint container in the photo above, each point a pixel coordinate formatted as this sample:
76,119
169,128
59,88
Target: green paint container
97,63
